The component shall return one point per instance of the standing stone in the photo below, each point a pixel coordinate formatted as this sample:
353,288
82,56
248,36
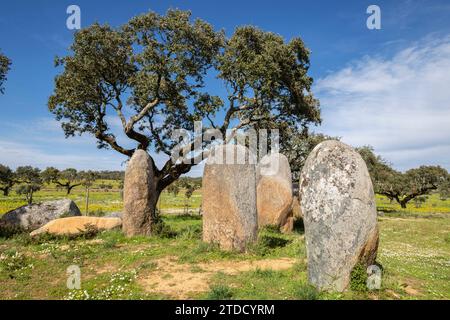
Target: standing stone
139,195
340,217
274,192
229,198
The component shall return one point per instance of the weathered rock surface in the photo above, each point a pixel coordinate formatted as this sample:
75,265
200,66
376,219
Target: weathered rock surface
338,205
274,192
296,210
229,198
288,226
77,225
139,195
32,217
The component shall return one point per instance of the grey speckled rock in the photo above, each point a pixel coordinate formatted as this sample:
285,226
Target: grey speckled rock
340,217
34,216
229,200
274,192
139,195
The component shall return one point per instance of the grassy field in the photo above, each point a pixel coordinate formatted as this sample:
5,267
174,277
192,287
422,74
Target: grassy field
100,200
414,253
433,204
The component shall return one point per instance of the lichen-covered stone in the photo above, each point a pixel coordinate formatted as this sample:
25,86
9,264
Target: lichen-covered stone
139,195
339,213
229,198
34,216
274,192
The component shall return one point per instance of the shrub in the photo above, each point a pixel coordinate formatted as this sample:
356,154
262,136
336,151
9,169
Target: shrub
358,277
110,243
271,229
307,292
220,292
266,242
7,231
97,213
162,230
90,232
270,241
44,238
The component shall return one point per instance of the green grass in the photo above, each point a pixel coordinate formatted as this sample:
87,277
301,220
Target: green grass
414,253
104,201
100,200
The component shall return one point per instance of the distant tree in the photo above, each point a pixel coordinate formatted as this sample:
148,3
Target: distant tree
7,179
154,69
422,181
444,190
30,181
297,145
402,187
418,201
174,189
189,187
67,179
5,64
105,186
111,175
87,180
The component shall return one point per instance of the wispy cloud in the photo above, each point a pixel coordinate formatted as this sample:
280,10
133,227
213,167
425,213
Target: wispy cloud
41,143
400,105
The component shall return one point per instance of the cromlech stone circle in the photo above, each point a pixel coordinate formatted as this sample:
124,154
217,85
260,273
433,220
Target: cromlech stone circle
339,213
274,192
138,195
73,226
229,198
34,216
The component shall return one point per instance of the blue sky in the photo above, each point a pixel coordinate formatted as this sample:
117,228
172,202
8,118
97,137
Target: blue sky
387,88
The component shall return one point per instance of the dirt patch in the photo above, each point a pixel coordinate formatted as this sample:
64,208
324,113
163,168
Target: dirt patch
411,291
393,294
180,281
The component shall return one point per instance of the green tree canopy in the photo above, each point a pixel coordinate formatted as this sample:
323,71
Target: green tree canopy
402,187
30,181
5,64
7,179
297,145
67,179
151,75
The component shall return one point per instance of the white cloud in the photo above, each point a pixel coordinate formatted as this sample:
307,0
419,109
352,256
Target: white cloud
400,105
15,154
40,142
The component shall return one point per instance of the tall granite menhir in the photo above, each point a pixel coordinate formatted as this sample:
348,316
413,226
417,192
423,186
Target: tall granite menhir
139,195
338,205
229,198
274,192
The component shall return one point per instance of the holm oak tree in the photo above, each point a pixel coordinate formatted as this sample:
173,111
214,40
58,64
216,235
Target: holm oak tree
152,76
399,186
5,64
